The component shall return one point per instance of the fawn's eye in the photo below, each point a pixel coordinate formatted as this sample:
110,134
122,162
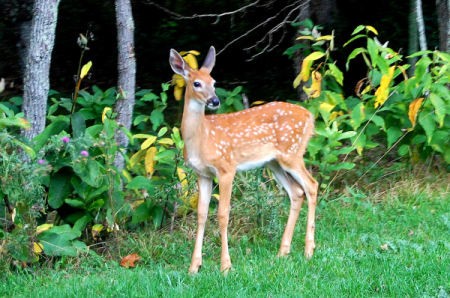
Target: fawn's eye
197,84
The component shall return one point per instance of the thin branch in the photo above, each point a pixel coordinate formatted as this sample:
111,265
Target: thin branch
209,15
268,39
281,25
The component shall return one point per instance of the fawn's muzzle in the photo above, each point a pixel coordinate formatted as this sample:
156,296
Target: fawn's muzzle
213,103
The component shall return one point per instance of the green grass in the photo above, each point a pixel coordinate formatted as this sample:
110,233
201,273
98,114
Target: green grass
393,244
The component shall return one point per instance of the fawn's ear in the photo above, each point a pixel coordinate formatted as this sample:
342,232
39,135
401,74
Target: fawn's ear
210,60
177,63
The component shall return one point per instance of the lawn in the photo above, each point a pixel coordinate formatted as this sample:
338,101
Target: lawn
393,243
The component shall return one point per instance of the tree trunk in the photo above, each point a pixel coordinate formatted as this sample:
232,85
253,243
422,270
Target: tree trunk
127,72
421,26
37,69
443,13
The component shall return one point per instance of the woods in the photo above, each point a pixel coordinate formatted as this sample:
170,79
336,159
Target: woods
91,153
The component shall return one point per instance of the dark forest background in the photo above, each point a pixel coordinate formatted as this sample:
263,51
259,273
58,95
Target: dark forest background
267,76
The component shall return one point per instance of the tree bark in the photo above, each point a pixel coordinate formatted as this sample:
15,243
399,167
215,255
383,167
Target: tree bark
126,71
443,13
37,68
421,26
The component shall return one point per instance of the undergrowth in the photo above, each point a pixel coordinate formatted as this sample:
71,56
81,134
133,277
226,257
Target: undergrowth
390,239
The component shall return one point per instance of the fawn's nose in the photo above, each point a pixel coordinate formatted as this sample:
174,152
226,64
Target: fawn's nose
213,103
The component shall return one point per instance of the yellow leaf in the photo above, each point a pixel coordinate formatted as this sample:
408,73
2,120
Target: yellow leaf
96,229
193,200
182,177
24,123
414,107
165,141
105,111
216,196
191,61
126,175
184,183
85,69
38,248
305,37
325,108
178,93
297,80
178,80
366,89
325,37
136,203
315,56
141,136
316,86
150,160
147,143
372,29
43,227
193,52
136,158
257,103
382,92
334,115
306,69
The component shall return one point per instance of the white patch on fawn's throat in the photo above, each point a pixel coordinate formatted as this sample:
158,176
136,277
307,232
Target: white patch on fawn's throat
195,106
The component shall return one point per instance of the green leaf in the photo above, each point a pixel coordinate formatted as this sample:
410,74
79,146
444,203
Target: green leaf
336,73
428,124
162,131
157,215
78,124
353,54
92,173
358,115
149,97
421,67
440,140
59,189
358,29
354,38
96,205
81,223
74,203
139,119
379,121
157,118
142,213
60,241
94,130
393,134
60,124
403,150
440,108
372,48
346,135
139,182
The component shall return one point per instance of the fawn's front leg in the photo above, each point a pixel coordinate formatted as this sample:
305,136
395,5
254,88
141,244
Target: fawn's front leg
204,188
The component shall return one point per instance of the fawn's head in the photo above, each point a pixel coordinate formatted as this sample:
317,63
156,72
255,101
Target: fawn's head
199,83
